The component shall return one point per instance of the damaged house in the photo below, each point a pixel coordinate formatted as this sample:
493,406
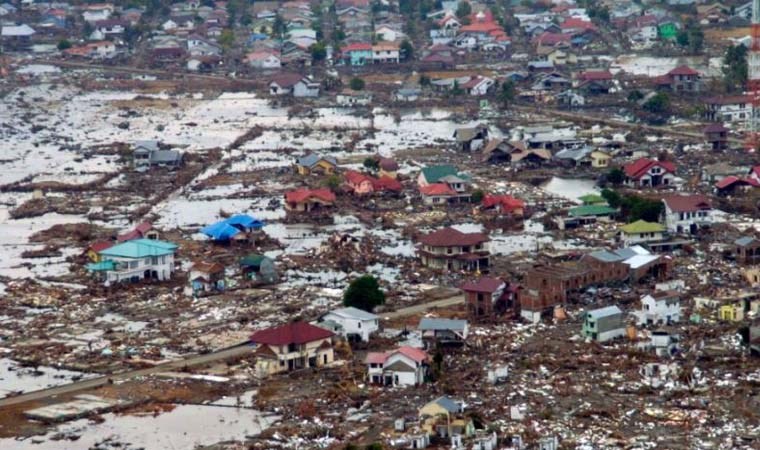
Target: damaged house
451,249
443,332
351,323
293,346
659,308
604,324
489,298
306,200
405,366
147,154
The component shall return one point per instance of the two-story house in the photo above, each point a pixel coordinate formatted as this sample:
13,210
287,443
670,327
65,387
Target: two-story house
728,108
296,345
604,324
488,298
687,213
358,54
351,323
136,260
641,232
451,249
405,366
659,308
747,250
645,172
681,79
443,332
385,52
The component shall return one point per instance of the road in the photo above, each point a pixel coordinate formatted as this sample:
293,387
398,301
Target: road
239,350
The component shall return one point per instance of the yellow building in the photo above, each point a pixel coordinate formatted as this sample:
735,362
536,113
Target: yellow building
731,313
443,417
316,164
600,159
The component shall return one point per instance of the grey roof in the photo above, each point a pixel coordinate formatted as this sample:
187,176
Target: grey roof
441,324
165,156
606,256
448,404
408,92
353,313
743,241
621,254
467,134
17,30
576,154
312,159
151,145
604,312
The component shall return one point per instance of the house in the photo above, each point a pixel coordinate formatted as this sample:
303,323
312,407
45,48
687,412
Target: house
100,49
16,36
600,159
387,167
385,53
111,26
147,154
604,324
96,12
143,230
472,138
259,268
716,135
747,250
443,332
444,417
351,323
387,33
410,94
450,249
93,251
660,308
574,157
293,84
728,109
687,213
503,205
712,14
731,313
712,173
350,97
293,346
438,194
315,164
359,183
488,298
586,214
136,260
449,175
358,54
264,59
309,200
478,85
405,366
206,277
681,79
645,172
641,232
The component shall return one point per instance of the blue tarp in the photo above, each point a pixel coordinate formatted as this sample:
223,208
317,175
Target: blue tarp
224,230
220,231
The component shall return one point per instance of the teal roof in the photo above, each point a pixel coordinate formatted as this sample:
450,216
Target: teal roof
434,173
140,248
252,260
591,210
101,266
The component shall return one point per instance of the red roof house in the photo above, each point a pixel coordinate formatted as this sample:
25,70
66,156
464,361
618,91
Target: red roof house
306,200
451,249
292,346
645,172
488,297
504,204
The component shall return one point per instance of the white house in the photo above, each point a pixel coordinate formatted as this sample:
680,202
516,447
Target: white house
729,109
351,323
388,34
662,307
96,13
478,85
306,88
385,52
136,260
405,366
264,59
686,213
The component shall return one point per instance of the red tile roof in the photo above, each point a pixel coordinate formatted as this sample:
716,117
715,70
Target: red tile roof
641,166
731,180
303,194
385,183
595,75
99,246
480,27
683,70
291,333
356,46
484,284
447,237
415,354
506,202
575,23
715,128
437,189
687,203
354,177
551,39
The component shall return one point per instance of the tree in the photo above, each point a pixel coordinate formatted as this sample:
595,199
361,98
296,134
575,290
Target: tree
278,27
356,84
64,44
374,446
696,39
616,176
735,68
406,49
682,38
364,293
464,9
424,80
318,51
658,104
635,95
456,90
371,164
613,198
477,196
227,38
507,93
332,182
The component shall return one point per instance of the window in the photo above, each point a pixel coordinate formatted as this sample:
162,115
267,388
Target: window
359,325
133,264
163,260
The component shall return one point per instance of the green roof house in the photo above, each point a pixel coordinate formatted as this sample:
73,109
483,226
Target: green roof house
585,214
667,30
136,260
641,232
259,268
592,199
446,174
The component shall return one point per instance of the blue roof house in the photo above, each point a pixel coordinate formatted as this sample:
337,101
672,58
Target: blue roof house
136,260
236,227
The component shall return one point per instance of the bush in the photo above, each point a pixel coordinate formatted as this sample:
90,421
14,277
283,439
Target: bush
356,84
364,293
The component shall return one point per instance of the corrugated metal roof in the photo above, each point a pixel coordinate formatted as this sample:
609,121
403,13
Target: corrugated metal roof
140,248
353,313
441,324
604,312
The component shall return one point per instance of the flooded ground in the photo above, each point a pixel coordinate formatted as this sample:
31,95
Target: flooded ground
184,427
15,378
570,188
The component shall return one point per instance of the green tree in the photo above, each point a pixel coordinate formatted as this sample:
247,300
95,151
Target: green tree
613,198
456,90
635,95
735,68
318,51
226,39
364,293
464,9
507,93
616,176
374,446
682,38
356,84
406,50
371,164
658,104
424,80
64,44
477,196
696,39
332,182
